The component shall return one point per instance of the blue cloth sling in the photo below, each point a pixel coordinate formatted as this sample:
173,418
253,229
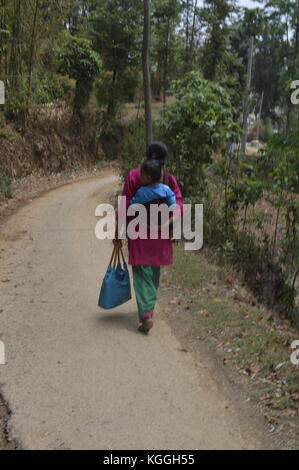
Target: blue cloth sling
116,286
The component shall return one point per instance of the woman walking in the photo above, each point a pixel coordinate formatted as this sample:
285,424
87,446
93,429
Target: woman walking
146,256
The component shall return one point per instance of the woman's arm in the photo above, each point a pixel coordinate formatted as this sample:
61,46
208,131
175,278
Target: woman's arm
121,213
128,191
178,195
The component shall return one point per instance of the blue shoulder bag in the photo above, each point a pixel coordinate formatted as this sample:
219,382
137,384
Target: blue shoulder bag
116,286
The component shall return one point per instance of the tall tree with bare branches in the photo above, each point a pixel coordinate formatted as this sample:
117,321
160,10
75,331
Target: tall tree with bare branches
146,73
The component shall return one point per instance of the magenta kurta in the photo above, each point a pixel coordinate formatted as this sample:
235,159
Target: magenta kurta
150,252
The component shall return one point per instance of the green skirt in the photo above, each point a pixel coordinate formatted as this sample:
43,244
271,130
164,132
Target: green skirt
146,284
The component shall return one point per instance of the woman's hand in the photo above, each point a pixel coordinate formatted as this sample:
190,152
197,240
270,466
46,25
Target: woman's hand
118,242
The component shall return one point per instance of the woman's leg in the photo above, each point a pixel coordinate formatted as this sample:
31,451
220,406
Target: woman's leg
156,275
156,278
146,284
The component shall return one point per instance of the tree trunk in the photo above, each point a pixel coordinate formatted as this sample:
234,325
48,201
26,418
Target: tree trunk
193,28
259,119
15,53
166,63
111,101
146,73
32,44
3,47
293,68
246,100
187,35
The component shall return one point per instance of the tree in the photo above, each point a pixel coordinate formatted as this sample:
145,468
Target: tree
146,73
216,14
32,42
165,20
80,62
190,12
15,62
116,31
4,37
198,123
276,35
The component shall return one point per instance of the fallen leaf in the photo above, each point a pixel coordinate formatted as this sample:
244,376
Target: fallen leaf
279,366
253,370
288,413
271,419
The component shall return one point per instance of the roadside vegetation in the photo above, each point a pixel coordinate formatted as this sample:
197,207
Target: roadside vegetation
250,344
251,204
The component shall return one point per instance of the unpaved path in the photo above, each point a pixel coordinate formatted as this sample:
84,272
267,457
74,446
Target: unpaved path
80,378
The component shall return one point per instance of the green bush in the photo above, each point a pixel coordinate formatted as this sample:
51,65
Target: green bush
51,88
198,123
17,103
266,131
5,186
282,156
108,95
133,150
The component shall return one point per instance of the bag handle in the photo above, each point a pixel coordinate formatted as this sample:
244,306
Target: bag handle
122,254
115,258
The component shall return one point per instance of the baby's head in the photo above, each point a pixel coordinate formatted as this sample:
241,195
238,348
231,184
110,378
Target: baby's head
151,172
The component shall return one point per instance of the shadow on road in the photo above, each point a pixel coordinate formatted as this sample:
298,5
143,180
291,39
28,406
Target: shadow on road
118,320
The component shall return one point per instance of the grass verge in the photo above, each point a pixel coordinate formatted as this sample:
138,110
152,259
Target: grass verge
252,343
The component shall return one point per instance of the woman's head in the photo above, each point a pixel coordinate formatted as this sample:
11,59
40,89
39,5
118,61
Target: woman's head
151,172
157,151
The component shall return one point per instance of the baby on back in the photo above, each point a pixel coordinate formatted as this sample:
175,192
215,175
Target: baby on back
153,190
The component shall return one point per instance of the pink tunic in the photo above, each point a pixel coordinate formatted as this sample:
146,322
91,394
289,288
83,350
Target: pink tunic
150,252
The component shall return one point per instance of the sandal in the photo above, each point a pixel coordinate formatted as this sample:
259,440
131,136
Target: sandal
146,326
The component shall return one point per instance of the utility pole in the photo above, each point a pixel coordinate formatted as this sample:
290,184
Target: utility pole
246,99
146,74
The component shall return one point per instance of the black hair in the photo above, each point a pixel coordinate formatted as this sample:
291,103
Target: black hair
153,169
157,151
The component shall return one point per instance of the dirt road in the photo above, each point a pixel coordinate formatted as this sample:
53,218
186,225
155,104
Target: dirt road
78,377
